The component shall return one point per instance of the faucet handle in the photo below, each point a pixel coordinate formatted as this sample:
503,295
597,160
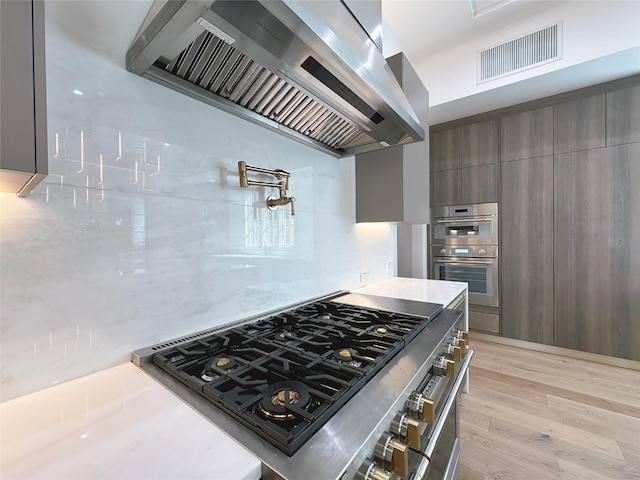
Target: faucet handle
273,203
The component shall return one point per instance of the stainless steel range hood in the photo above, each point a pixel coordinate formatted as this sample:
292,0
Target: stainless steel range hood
305,69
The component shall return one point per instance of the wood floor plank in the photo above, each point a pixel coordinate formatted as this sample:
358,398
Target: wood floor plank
584,381
535,415
546,428
570,471
549,446
559,365
567,413
595,420
487,452
564,391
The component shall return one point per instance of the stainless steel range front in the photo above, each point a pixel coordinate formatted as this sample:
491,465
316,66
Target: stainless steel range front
340,387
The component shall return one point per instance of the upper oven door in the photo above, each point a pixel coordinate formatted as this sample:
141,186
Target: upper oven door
465,231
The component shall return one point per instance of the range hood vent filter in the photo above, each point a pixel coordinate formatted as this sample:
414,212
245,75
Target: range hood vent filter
214,65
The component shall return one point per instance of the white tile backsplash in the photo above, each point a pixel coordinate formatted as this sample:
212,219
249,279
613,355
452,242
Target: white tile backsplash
141,233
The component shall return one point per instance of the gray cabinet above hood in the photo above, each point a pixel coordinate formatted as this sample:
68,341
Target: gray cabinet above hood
305,69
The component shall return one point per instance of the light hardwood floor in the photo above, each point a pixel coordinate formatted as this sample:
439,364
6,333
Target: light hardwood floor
534,415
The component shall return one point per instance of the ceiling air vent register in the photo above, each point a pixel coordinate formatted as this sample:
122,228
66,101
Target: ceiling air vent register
528,51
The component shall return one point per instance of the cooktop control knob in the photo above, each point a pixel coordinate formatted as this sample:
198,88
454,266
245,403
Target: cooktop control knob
443,251
407,429
443,366
454,352
421,407
393,455
370,471
482,251
461,334
463,338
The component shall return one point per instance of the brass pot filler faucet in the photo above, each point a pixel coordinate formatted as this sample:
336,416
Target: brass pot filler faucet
282,185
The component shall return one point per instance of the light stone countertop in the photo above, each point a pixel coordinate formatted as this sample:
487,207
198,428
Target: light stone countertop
119,423
433,291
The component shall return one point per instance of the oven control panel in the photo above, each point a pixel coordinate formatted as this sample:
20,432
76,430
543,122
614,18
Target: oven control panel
466,251
402,452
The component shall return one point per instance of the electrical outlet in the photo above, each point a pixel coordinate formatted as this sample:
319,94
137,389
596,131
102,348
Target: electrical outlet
364,277
390,269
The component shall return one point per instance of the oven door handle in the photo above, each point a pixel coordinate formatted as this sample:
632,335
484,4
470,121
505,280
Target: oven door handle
461,264
466,220
439,425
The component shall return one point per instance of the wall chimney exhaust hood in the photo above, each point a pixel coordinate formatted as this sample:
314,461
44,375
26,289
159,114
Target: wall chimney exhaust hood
305,69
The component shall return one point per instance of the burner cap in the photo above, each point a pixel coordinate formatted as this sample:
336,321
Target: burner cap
225,363
277,397
346,356
285,335
381,329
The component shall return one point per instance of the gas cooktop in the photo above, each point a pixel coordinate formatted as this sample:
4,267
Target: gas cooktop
285,375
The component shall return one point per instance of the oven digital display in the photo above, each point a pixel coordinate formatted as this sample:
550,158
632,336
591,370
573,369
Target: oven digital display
461,250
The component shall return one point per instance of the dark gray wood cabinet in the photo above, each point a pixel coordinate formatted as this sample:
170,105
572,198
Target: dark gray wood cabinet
445,150
480,143
479,184
579,124
464,164
623,116
568,186
445,188
527,135
526,249
597,265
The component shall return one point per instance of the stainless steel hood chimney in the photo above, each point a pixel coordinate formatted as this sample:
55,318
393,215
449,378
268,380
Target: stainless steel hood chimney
305,69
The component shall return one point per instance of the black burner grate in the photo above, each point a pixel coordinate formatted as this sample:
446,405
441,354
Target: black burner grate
286,375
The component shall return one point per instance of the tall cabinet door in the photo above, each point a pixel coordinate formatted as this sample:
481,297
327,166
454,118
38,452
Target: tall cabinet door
623,116
445,188
527,249
480,143
597,227
445,150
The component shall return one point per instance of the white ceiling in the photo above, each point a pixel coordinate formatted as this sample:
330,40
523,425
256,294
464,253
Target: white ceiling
423,28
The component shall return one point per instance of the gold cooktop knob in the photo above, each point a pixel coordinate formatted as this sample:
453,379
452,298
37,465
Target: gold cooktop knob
453,351
393,454
407,429
370,471
462,335
421,407
443,366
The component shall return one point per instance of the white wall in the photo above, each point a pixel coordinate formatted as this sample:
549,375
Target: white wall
592,32
98,262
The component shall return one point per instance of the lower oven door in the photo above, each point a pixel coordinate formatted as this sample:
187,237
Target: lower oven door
440,456
481,276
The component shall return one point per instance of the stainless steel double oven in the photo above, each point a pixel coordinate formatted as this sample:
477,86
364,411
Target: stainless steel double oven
464,248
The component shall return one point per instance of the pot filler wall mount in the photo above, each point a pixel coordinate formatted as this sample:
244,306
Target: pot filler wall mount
282,185
304,69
